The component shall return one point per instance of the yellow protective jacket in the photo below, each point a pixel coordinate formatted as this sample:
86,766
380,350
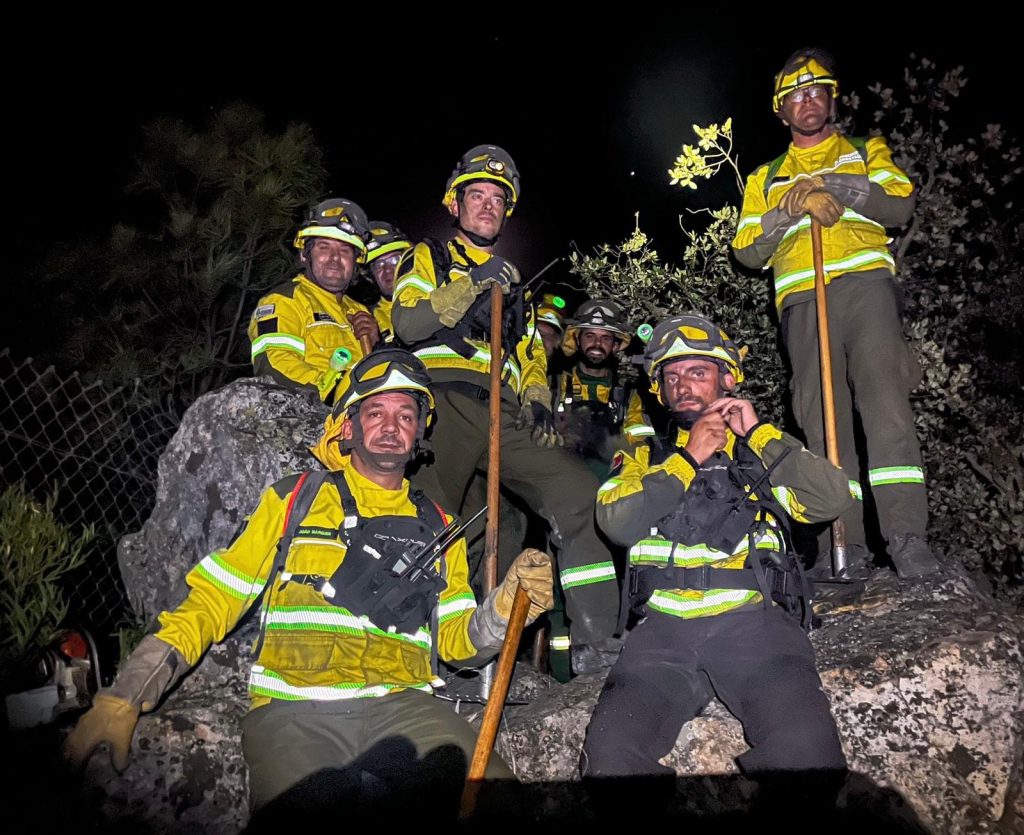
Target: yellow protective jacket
572,387
415,322
382,313
767,237
312,649
638,495
296,328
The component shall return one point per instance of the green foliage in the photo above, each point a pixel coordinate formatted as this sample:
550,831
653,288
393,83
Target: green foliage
962,276
960,267
214,210
36,553
706,280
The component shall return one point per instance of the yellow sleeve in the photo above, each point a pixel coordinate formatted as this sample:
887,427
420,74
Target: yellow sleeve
884,172
276,332
748,227
412,316
535,368
637,495
636,428
456,605
226,583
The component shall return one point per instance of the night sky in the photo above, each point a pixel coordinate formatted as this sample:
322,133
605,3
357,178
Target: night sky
592,121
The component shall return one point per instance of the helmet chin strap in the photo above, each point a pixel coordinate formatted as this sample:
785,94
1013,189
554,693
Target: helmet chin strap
474,238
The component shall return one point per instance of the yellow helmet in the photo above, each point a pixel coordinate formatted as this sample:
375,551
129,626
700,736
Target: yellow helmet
386,369
484,162
340,220
806,68
550,309
385,238
690,336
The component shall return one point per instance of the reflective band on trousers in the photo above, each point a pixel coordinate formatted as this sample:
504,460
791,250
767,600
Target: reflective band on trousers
895,475
584,575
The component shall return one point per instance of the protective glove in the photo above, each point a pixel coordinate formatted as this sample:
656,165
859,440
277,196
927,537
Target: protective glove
851,190
793,200
451,301
823,207
536,410
110,720
495,270
531,570
150,671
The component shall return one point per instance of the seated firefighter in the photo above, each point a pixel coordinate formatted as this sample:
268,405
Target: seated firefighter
308,333
360,598
600,412
724,603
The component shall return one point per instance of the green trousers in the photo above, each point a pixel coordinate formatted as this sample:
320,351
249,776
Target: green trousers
553,483
873,372
306,758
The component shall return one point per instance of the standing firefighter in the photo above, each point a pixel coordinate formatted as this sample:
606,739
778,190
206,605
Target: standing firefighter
383,252
358,602
307,332
724,604
598,408
853,188
442,313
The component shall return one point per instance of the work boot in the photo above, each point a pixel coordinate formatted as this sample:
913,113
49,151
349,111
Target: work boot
858,565
588,659
912,556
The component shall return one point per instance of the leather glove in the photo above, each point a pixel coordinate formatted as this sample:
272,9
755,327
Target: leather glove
150,671
823,207
531,570
793,200
536,410
851,190
495,270
451,301
110,720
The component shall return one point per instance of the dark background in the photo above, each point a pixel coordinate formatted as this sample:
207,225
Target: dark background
593,120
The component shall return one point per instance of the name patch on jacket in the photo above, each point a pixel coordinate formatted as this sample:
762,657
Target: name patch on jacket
320,316
314,532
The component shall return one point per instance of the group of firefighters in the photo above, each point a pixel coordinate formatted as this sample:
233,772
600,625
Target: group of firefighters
670,537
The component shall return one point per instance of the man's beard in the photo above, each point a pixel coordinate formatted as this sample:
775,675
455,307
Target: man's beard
388,462
607,361
686,418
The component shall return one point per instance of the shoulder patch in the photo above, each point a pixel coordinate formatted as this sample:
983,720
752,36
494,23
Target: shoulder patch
263,311
617,461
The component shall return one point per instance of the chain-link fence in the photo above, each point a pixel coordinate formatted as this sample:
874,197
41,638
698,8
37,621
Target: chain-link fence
99,447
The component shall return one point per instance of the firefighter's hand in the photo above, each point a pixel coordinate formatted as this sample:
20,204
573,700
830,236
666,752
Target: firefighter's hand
823,207
496,270
792,202
707,436
531,570
451,301
739,415
536,410
110,720
365,325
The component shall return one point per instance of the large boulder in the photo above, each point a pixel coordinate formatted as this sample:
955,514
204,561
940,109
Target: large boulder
925,678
